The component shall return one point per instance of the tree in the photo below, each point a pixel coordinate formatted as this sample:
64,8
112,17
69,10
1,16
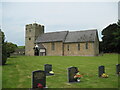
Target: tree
118,23
4,53
10,48
101,47
3,37
111,37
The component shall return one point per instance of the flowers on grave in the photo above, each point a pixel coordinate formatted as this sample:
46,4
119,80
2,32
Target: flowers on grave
78,76
39,85
104,75
51,72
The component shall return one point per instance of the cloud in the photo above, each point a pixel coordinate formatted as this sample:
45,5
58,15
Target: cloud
59,0
56,16
119,10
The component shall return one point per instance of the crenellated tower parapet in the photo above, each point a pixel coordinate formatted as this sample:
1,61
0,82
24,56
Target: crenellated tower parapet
32,32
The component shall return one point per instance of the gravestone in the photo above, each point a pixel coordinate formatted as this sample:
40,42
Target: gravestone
118,69
101,70
48,68
38,79
71,73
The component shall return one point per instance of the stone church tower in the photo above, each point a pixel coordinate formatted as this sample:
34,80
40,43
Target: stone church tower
32,32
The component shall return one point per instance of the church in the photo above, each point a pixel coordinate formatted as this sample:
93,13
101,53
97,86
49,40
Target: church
62,43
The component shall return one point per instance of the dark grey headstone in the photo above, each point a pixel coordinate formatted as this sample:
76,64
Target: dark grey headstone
48,68
118,69
71,73
38,77
101,70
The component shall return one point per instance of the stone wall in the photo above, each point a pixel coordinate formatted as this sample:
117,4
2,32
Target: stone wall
62,49
96,46
73,49
32,32
58,49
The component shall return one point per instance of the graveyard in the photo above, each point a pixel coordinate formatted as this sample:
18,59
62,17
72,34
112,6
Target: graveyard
17,73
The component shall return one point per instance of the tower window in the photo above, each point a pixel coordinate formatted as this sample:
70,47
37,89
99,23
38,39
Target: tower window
29,38
78,46
30,30
53,46
68,48
86,45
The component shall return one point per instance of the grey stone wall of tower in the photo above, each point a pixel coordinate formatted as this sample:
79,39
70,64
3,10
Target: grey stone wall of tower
32,31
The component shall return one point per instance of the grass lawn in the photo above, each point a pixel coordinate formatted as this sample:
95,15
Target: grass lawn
17,72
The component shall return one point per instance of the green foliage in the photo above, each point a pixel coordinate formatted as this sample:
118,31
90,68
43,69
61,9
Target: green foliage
111,38
118,22
18,72
23,47
101,47
10,48
3,37
4,55
4,52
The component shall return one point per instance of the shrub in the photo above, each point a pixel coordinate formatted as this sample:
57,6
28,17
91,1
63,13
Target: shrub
4,54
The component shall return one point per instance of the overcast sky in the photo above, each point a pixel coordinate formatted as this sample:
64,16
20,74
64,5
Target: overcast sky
59,16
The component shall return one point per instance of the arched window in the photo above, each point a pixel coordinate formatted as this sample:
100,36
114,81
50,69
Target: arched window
86,45
30,30
29,38
53,46
68,48
78,46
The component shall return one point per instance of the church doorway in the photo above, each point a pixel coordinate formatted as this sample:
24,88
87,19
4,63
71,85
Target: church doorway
42,52
36,52
39,50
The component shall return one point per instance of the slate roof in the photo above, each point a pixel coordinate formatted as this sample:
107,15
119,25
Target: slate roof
81,36
41,46
52,37
68,37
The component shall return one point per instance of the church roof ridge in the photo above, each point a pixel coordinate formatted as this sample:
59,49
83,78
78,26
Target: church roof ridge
68,36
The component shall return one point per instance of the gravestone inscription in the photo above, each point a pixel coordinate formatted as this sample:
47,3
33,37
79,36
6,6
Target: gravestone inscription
48,69
71,73
38,79
118,69
101,70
